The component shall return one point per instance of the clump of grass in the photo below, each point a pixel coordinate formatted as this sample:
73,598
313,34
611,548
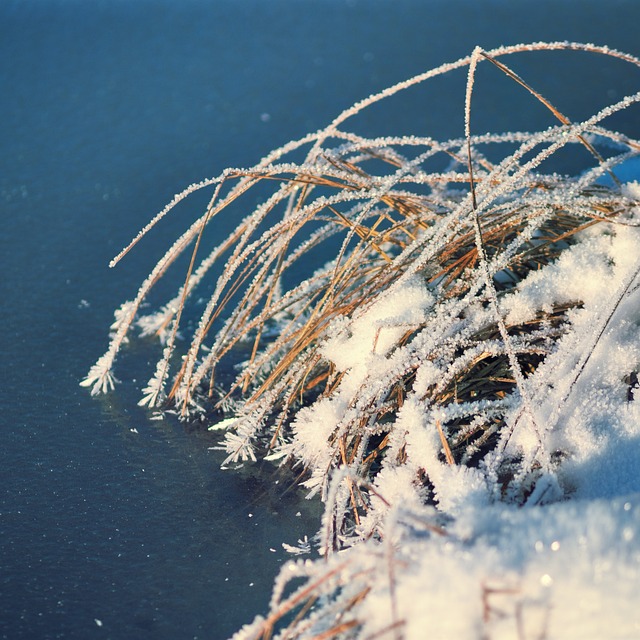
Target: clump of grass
403,327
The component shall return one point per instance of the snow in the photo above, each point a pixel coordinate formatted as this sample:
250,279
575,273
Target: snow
476,567
563,571
376,330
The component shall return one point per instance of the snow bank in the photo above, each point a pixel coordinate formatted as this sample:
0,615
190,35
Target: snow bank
474,566
569,570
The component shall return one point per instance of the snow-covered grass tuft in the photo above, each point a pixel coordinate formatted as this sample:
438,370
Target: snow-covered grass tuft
456,377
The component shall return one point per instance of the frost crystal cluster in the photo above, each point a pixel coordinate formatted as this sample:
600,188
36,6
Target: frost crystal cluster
455,375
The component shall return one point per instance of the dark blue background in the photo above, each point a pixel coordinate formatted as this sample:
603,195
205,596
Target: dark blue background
108,108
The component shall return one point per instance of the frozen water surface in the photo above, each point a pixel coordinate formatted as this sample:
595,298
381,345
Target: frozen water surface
115,526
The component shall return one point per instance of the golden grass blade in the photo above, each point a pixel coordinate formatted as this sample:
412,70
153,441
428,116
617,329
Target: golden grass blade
556,112
445,445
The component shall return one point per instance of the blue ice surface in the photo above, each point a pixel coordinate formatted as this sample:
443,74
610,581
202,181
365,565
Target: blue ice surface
628,171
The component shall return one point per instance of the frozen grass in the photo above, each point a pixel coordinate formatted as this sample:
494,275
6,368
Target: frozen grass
469,347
